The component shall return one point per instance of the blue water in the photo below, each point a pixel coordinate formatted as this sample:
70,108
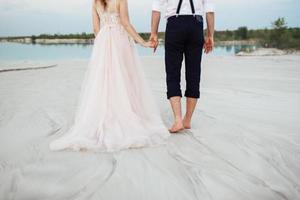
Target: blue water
17,51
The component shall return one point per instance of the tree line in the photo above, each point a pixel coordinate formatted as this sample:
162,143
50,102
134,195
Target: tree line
278,36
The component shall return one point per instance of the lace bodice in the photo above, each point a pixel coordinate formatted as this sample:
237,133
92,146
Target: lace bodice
109,19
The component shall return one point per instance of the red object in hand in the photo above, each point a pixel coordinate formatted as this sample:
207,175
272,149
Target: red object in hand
154,38
208,45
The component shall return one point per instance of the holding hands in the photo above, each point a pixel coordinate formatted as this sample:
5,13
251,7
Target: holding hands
154,39
148,44
152,42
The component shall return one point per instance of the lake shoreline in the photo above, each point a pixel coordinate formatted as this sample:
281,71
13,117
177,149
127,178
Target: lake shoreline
245,47
30,40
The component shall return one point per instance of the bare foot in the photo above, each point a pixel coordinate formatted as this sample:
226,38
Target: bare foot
186,123
177,126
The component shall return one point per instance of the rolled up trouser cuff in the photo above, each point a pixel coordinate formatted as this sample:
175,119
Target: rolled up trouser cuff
192,94
174,94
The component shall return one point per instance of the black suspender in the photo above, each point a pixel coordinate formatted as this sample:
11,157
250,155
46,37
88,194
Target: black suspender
179,6
192,7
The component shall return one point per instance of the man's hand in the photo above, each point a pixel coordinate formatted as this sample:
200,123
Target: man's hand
208,45
154,39
154,28
209,40
148,44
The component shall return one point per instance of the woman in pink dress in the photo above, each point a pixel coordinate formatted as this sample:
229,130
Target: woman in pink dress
116,109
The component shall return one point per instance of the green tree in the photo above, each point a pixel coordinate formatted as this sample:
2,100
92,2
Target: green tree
279,36
33,38
279,24
242,33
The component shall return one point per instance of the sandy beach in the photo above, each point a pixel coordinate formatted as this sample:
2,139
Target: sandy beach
244,144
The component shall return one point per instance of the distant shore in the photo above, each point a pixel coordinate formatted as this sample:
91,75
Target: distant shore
279,36
30,40
252,47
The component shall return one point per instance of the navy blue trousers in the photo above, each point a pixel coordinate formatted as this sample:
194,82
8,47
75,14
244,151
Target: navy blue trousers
183,37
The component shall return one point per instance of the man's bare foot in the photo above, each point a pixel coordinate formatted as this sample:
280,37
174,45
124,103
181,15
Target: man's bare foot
177,126
186,123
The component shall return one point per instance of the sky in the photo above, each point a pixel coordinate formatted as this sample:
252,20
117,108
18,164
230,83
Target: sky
34,17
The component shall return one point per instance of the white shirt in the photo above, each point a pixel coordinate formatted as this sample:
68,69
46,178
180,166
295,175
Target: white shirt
201,7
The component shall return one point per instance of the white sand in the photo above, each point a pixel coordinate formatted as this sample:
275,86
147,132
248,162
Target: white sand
245,141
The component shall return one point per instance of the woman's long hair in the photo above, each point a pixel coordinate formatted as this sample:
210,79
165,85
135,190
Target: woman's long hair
104,3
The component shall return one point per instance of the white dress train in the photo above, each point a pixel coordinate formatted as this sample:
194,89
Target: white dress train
116,109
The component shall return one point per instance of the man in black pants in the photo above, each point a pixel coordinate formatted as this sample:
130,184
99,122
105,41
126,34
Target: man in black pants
184,37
